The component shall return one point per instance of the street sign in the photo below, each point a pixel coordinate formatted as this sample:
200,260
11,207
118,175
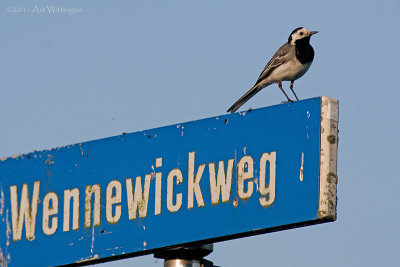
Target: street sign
198,182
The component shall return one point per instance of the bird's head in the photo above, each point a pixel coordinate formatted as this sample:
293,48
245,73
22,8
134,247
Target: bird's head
300,34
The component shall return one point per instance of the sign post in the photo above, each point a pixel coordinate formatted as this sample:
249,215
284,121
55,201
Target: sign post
192,256
183,185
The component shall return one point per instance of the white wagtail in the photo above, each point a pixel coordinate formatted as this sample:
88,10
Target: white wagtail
289,63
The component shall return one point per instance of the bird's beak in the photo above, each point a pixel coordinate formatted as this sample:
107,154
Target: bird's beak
313,32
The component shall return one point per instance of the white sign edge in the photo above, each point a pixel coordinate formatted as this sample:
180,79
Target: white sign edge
328,158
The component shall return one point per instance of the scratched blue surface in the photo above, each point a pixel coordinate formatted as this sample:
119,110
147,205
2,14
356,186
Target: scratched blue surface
289,129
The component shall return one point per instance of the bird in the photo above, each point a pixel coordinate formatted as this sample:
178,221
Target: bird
290,62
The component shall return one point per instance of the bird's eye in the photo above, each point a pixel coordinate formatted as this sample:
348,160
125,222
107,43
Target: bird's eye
301,33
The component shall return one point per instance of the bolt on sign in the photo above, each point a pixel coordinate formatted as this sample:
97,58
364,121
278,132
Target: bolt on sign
203,181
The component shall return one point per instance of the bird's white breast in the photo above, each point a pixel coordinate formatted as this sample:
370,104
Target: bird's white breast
290,71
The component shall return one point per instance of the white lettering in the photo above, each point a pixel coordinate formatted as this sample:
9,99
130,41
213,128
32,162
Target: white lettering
170,190
157,207
26,213
223,183
90,190
50,211
194,183
24,209
141,199
113,196
245,172
270,189
68,194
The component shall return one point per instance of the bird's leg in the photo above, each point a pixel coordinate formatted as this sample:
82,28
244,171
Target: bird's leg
291,88
280,87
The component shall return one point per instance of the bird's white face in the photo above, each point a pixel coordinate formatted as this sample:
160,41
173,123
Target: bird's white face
300,33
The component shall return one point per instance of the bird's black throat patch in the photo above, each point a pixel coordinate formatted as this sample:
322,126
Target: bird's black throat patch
304,51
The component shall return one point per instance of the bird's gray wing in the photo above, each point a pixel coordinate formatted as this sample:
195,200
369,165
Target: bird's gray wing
280,57
283,55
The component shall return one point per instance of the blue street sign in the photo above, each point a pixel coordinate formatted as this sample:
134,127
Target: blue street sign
203,181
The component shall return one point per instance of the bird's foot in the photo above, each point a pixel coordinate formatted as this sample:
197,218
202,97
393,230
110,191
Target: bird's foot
288,101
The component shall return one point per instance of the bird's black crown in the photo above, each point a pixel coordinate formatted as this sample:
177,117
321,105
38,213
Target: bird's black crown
295,30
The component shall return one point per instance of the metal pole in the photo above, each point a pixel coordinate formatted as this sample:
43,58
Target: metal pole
186,256
181,263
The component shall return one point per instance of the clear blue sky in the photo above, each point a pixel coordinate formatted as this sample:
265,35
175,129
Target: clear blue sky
124,66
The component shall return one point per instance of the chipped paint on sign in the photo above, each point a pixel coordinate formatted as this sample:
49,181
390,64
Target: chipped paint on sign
90,258
1,201
12,157
301,167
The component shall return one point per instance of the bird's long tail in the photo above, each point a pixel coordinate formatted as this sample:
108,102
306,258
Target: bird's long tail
254,90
